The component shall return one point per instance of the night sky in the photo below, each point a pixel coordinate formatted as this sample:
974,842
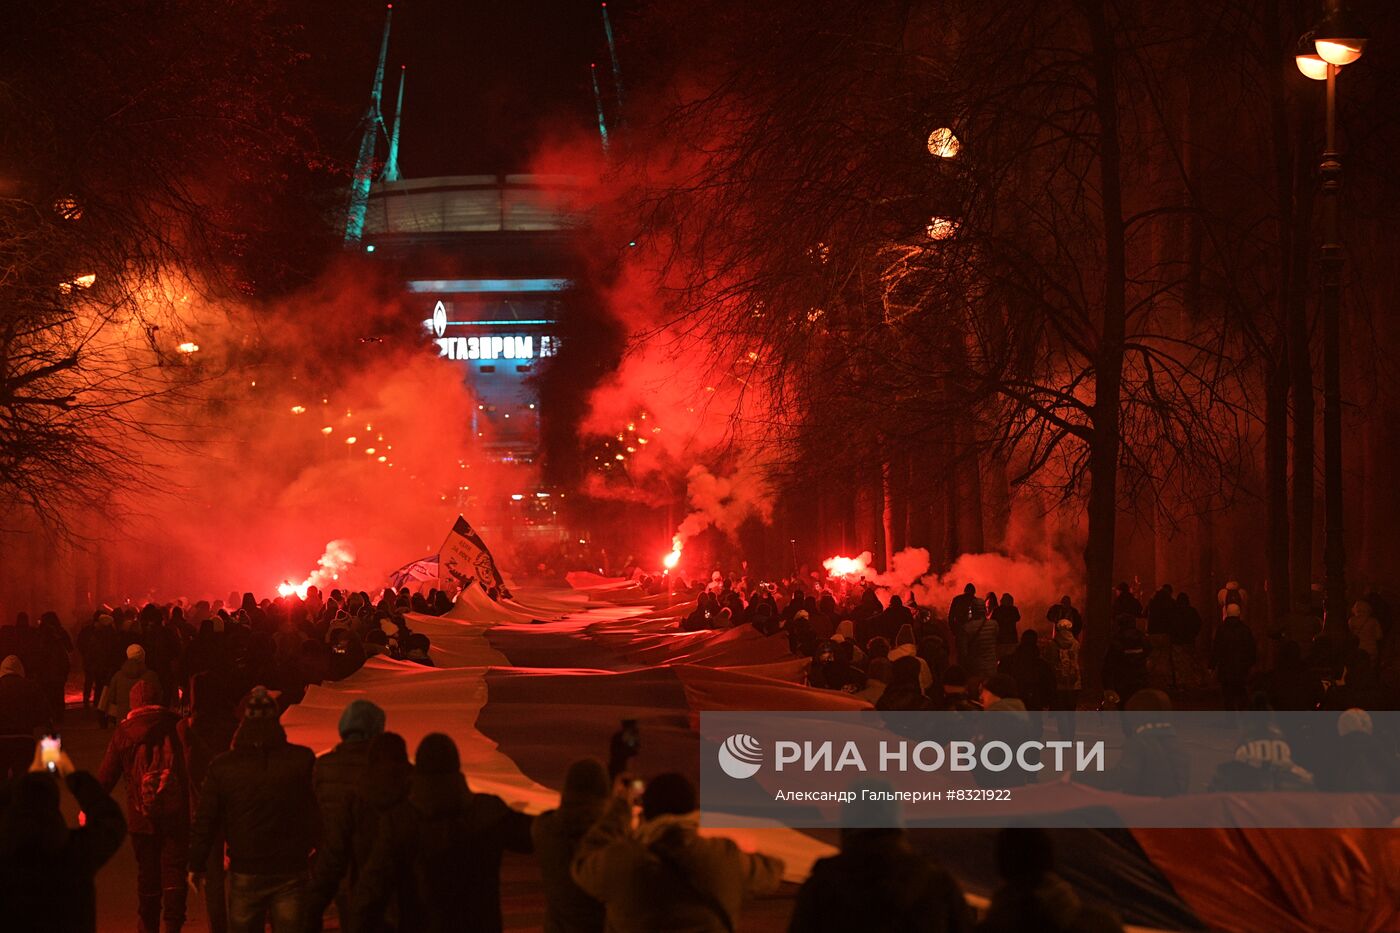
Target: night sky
486,80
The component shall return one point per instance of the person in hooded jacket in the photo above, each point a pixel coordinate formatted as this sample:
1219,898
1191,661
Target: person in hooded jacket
117,696
903,691
204,735
557,834
349,834
257,796
24,710
664,875
1007,616
145,751
46,867
440,853
1035,678
1032,896
339,771
1125,663
53,648
1153,762
1063,657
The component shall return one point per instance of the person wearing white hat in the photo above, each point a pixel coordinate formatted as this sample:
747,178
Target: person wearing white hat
116,699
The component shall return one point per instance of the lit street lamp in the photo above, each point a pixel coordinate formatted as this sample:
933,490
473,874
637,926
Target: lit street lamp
1336,41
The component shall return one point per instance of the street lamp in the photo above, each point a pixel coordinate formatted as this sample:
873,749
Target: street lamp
1336,41
1340,37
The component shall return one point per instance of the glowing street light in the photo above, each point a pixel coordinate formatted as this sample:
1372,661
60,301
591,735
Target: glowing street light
940,228
190,346
327,429
298,409
1308,61
1338,40
1340,37
351,439
943,144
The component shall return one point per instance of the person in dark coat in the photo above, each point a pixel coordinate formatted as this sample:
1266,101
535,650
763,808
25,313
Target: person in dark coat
904,691
441,851
339,771
977,651
46,867
1125,664
53,657
348,834
556,835
1032,895
1153,762
879,884
1007,617
258,798
1359,762
960,612
205,735
1035,678
1064,609
1160,609
116,698
145,751
1232,657
23,707
1125,603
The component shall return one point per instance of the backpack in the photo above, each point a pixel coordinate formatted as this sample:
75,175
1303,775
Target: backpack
159,790
1066,666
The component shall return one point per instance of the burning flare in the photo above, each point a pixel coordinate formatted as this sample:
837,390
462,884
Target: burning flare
672,559
837,567
339,557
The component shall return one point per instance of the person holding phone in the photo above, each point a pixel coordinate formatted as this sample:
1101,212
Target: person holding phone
46,866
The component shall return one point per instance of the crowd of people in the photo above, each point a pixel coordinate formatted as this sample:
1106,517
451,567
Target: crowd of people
899,655
267,833
220,802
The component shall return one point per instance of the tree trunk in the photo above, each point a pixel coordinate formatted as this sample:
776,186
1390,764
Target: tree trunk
1276,487
1108,366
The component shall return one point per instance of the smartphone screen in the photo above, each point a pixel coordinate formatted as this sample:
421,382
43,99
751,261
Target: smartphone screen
49,747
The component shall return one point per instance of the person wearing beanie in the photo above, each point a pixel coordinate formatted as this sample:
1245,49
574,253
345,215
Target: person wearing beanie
557,834
664,875
46,866
339,771
1153,763
440,851
348,840
23,712
145,751
1360,762
878,881
116,699
257,797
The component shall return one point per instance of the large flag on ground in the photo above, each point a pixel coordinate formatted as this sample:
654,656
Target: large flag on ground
523,698
417,571
465,560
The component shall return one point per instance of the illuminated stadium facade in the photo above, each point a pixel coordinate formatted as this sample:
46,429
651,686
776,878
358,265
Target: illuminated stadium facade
486,270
